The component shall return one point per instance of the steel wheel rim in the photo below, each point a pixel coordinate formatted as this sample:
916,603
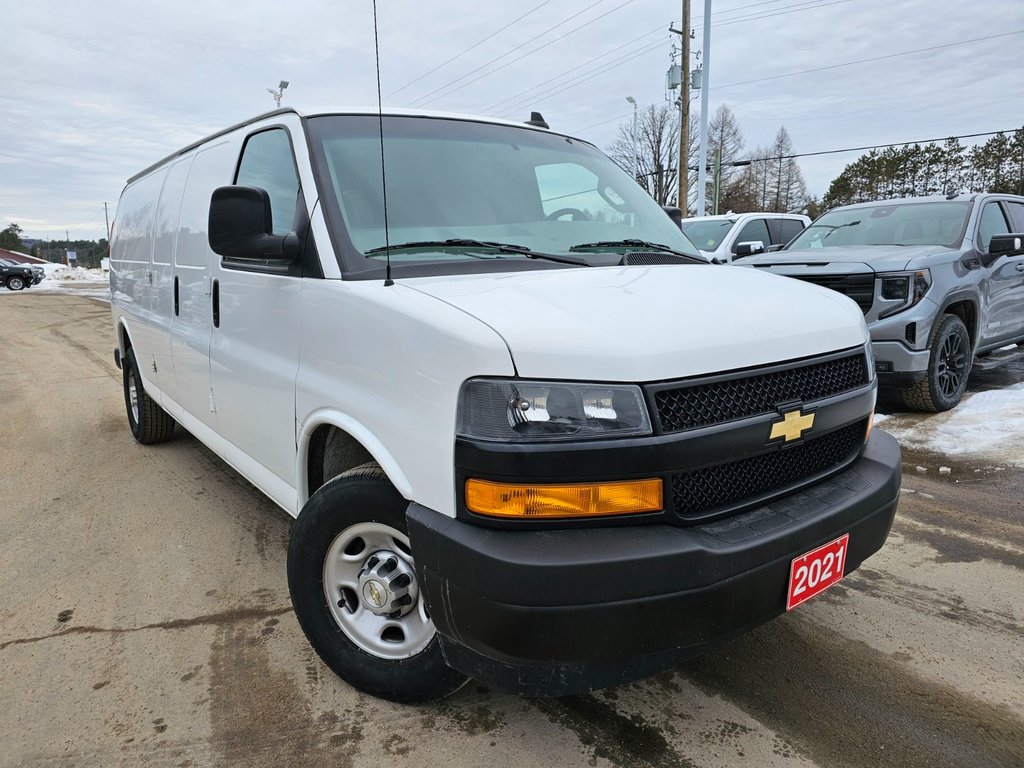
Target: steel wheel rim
952,365
133,397
382,636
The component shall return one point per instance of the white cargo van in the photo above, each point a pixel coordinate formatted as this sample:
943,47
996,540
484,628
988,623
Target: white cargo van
529,434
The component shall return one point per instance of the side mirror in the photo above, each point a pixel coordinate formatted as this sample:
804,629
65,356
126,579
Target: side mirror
751,248
241,227
674,213
1006,245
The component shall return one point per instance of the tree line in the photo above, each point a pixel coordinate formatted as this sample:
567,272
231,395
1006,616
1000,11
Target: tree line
997,165
88,252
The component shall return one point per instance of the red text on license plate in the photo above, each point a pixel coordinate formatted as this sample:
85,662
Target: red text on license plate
816,571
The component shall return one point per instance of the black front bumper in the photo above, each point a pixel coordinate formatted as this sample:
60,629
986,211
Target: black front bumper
555,612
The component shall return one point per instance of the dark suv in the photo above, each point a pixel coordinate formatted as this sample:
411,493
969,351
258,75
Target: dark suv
940,281
19,276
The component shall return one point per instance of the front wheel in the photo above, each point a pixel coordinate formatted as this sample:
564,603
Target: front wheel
148,422
15,283
949,365
356,593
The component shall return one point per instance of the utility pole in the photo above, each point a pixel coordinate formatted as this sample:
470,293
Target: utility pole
716,182
684,114
705,87
106,218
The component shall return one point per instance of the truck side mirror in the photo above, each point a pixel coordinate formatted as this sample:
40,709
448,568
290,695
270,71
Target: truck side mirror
1006,245
241,227
674,213
751,248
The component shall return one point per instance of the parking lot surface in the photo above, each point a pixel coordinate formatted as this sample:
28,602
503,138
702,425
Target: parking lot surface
145,619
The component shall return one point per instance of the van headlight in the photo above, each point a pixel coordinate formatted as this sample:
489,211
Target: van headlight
531,411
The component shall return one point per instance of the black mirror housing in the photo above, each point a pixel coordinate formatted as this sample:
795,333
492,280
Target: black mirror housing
1006,245
241,227
674,213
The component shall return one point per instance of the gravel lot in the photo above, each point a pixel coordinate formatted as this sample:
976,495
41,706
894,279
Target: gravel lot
145,620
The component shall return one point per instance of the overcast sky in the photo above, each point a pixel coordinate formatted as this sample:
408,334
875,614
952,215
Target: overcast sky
94,92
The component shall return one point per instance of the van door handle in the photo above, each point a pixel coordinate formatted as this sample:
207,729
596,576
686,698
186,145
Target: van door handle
175,295
216,303
1020,267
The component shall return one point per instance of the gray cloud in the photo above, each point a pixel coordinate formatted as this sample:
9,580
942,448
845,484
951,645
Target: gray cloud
95,92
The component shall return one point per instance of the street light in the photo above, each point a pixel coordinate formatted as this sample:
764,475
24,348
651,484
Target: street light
636,154
279,92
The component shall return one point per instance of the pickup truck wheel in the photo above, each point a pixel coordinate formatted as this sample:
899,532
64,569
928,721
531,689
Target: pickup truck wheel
948,368
15,283
148,421
356,593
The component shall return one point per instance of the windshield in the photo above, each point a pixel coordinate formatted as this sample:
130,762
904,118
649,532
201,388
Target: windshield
451,181
938,223
707,234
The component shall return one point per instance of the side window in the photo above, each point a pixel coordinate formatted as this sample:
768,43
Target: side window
753,230
790,229
1016,211
992,223
267,163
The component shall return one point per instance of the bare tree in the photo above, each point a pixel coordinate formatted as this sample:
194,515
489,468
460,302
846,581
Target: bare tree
657,151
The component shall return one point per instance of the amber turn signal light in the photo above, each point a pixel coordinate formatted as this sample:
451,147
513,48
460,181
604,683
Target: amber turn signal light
530,502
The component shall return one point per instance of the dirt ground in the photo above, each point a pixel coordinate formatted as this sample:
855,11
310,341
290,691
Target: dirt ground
145,620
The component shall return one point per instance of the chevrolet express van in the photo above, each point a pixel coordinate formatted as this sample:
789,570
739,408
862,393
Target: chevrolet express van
529,434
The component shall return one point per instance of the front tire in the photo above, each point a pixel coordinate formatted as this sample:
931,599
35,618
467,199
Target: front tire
15,283
149,422
949,365
356,594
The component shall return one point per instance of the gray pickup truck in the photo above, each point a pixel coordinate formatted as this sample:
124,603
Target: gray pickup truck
940,281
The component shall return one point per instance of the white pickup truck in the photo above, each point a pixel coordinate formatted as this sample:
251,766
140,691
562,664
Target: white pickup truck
727,237
529,433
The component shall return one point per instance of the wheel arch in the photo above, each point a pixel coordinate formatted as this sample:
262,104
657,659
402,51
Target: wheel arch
966,306
332,442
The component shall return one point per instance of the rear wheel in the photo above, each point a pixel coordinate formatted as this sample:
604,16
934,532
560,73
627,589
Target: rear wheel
15,283
148,421
949,365
356,593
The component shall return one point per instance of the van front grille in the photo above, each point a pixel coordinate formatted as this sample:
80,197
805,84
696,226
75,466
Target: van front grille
703,493
689,405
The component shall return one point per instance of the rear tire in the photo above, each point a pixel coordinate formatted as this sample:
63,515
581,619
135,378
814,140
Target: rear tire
949,365
15,283
346,548
149,422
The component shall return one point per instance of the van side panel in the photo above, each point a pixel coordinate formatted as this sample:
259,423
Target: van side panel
131,255
355,334
191,329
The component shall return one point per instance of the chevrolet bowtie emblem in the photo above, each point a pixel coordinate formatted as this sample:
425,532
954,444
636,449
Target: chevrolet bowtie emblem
792,426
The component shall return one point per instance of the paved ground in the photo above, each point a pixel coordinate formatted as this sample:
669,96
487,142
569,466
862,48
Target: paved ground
144,620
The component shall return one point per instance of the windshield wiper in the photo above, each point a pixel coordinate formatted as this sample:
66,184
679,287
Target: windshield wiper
632,243
459,242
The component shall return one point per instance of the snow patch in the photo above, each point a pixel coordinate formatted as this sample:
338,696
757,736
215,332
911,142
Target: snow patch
986,425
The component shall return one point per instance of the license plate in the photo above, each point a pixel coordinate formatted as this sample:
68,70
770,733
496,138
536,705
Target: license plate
816,571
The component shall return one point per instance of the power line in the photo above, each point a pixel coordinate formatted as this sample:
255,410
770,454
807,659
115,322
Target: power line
606,67
555,90
513,50
811,5
467,50
659,28
533,51
866,61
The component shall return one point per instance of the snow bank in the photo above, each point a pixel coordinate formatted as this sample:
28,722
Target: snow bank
60,273
987,425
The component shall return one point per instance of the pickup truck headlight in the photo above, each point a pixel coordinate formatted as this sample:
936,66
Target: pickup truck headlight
908,288
514,410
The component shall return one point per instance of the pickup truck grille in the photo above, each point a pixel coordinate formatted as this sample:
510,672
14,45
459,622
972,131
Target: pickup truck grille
860,288
690,405
702,493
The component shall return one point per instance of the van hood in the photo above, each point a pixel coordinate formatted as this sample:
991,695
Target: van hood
877,258
640,324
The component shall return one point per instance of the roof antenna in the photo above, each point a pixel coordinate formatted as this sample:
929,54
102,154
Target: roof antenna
383,176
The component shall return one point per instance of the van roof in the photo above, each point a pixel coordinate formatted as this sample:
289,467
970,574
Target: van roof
356,110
